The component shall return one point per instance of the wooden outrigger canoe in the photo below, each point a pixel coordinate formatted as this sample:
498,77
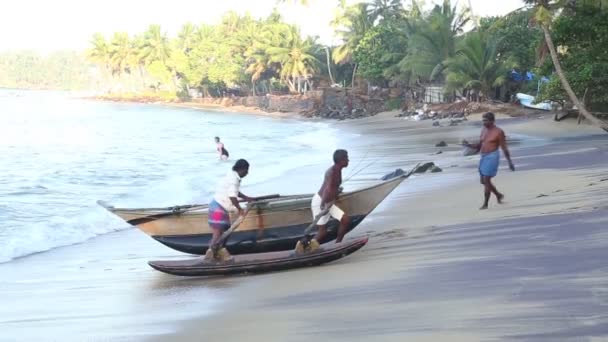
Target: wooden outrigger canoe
259,263
272,225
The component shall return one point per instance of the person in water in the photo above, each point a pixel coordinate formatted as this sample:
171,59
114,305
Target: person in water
224,201
221,149
492,137
326,195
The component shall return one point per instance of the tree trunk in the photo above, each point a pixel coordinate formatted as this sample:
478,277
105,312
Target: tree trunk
290,85
174,79
352,81
331,78
253,87
141,75
566,84
108,79
472,16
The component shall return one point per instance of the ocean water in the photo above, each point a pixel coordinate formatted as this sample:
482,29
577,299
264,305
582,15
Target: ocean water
59,155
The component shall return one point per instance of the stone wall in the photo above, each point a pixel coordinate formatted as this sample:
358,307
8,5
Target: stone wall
302,104
344,103
334,103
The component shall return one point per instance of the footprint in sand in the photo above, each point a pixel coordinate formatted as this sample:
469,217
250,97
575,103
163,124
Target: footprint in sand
394,233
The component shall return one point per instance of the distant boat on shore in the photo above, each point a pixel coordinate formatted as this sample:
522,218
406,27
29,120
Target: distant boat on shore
528,102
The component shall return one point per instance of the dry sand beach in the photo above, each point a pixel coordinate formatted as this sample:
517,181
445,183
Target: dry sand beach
435,269
438,269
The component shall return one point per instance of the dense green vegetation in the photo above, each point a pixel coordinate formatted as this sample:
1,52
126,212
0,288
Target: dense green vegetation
546,15
242,55
385,43
582,36
63,70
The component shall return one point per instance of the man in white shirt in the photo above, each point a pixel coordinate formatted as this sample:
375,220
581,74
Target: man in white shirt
226,200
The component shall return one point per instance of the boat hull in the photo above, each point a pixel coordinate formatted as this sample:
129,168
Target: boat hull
259,263
244,242
272,225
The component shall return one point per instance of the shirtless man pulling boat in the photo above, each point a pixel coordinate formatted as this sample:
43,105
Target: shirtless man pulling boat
327,195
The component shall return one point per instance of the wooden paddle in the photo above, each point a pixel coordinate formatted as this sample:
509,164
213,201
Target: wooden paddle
263,198
236,223
304,243
318,217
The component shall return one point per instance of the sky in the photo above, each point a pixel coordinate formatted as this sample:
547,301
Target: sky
48,25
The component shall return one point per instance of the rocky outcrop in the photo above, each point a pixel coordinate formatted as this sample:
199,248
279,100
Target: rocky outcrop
428,167
467,151
431,115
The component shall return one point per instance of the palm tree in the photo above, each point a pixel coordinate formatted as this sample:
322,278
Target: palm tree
231,22
341,3
257,65
384,9
100,55
351,25
137,59
206,36
331,77
256,57
186,37
272,33
121,52
544,17
157,48
297,2
432,41
476,66
155,45
295,57
100,52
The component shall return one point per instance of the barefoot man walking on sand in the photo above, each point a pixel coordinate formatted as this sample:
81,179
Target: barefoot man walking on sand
491,139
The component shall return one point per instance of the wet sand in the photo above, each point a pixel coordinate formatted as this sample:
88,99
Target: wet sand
435,269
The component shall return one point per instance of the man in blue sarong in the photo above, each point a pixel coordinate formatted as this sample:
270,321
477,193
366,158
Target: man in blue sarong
491,139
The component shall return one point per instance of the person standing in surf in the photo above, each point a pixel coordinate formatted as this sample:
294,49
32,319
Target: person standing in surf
328,193
492,138
226,200
221,149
